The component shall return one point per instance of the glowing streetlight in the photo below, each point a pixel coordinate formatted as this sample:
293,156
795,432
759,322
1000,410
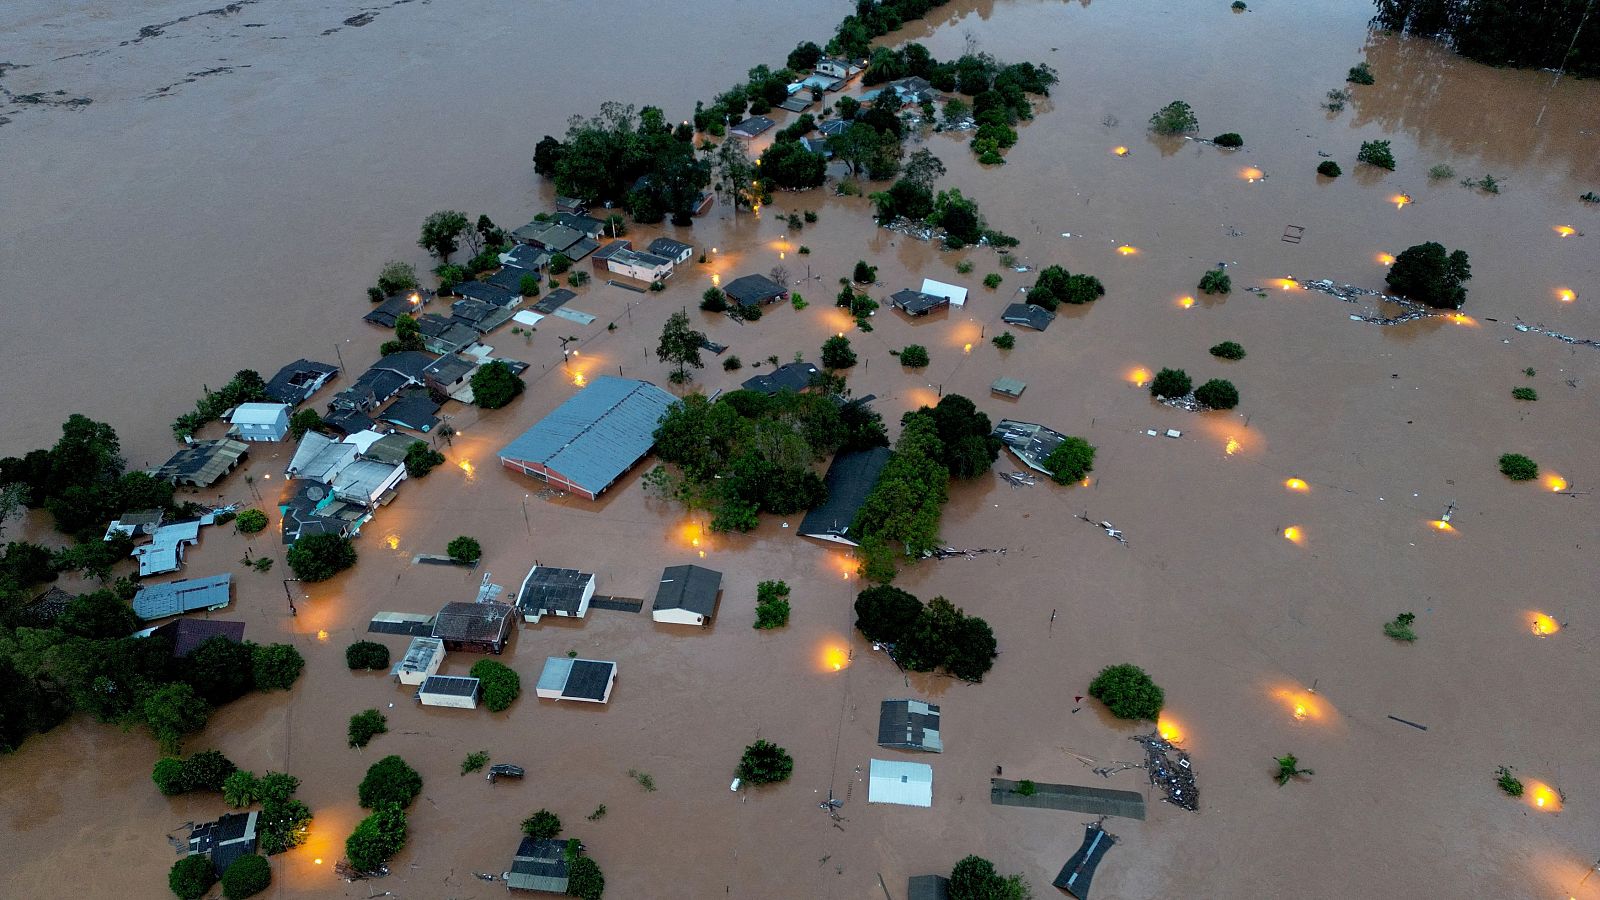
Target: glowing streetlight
1119,151
1566,295
1294,535
1297,484
1565,230
1386,259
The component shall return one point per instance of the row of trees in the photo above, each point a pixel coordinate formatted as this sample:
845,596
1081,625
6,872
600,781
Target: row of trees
1520,33
81,480
283,822
84,661
900,518
926,637
636,160
388,788
747,453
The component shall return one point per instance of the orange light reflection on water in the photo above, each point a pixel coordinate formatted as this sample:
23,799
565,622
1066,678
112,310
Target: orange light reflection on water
1251,174
1554,482
1186,302
1543,625
1127,250
1400,200
1297,484
1542,797
1139,376
1294,535
1566,295
1442,525
1565,230
1386,259
833,655
1169,729
1120,151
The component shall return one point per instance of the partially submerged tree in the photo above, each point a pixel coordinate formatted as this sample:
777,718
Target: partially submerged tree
1055,286
441,233
1170,383
765,763
1218,393
464,549
494,385
542,825
1071,460
1288,768
389,781
1428,274
500,684
975,878
1517,467
1128,692
318,557
680,346
366,725
1175,118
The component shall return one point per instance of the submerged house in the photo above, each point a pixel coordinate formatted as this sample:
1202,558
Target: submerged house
476,627
540,864
422,660
295,383
900,783
1078,872
927,887
449,690
687,595
851,477
909,725
640,266
382,381
587,443
173,598
310,507
751,127
202,463
187,635
1029,442
677,251
955,294
225,840
551,591
1027,315
916,303
565,678
795,376
259,421
754,290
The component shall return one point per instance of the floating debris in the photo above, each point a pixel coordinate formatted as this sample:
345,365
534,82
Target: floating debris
1017,479
1414,311
1175,778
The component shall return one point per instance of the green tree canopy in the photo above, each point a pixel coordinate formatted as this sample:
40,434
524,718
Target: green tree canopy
1170,383
1056,286
1218,393
276,666
1071,460
464,549
765,763
1127,692
441,233
366,655
494,385
680,346
389,780
542,825
377,838
975,878
220,670
173,711
1429,274
318,557
584,879
191,877
500,684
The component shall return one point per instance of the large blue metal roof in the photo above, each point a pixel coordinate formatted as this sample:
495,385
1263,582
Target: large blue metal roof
597,434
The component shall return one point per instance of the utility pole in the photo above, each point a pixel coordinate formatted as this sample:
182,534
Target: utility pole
290,596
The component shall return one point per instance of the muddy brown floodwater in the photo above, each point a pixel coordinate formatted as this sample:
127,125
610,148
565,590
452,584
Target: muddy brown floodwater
172,231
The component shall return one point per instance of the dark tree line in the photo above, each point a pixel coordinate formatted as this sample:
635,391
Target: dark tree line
1520,33
640,161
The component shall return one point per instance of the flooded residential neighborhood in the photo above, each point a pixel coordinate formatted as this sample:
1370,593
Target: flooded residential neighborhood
192,192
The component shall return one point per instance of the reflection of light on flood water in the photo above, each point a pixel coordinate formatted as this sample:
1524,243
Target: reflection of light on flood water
1140,377
1463,319
716,280
1566,295
1127,250
322,634
1294,535
579,379
1288,284
1543,797
967,349
1544,626
1186,302
1168,729
1297,484
1386,259
393,541
1564,230
1251,174
1301,704
1400,200
834,656
1554,482
1232,446
1442,525
1120,151
466,466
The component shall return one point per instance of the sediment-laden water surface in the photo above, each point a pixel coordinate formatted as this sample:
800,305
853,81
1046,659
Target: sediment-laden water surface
241,173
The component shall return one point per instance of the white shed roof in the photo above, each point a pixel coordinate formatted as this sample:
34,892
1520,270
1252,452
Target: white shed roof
258,413
957,295
903,783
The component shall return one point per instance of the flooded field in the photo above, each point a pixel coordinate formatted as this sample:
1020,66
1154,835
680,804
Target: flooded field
157,240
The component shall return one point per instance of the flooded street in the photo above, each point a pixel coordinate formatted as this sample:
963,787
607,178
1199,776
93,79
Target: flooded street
171,232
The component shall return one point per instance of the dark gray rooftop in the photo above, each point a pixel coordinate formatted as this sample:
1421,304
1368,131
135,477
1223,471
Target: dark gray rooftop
296,382
472,622
491,294
449,369
597,434
588,679
752,126
928,887
539,865
1078,873
693,588
552,590
909,725
1028,315
851,477
795,376
916,303
752,289
386,313
450,686
1030,441
414,410
509,279
665,246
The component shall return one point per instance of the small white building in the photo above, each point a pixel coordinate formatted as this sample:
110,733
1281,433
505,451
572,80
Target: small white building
834,68
589,680
640,266
901,783
677,251
259,421
421,662
367,481
449,690
955,294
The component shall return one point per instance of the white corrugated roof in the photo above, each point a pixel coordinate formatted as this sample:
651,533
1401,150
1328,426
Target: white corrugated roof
258,413
956,294
903,783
